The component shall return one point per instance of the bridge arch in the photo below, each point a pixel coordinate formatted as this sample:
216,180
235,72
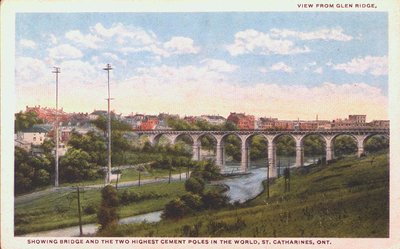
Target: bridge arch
262,151
370,147
357,139
313,148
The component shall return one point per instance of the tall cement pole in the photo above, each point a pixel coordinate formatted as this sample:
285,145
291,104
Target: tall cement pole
108,179
56,184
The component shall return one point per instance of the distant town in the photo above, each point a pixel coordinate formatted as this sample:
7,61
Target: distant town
83,123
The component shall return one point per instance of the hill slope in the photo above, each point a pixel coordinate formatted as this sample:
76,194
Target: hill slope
349,198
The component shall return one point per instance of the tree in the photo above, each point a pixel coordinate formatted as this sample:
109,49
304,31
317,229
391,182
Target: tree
314,146
194,185
30,171
192,201
76,166
175,209
286,146
25,120
344,145
376,143
107,215
258,148
215,200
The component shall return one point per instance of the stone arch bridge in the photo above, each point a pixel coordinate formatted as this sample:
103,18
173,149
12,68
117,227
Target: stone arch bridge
360,135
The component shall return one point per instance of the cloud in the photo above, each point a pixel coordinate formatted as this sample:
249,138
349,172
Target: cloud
251,41
335,34
280,66
88,41
376,66
208,95
318,70
64,51
53,39
218,65
263,70
25,43
130,39
181,45
30,70
123,34
192,90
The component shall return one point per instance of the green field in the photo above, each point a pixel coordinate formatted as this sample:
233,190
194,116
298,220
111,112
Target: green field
348,198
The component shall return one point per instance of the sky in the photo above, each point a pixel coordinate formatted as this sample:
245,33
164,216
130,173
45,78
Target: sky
287,65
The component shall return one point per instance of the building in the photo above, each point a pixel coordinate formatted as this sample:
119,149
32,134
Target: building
357,119
266,123
97,113
150,122
190,119
134,120
354,121
33,136
48,114
242,121
380,123
213,119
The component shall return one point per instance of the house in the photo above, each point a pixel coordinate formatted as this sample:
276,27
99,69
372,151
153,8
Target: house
34,135
213,119
150,122
134,120
48,114
97,113
242,121
380,123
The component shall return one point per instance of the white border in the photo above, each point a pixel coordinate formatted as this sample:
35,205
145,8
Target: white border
10,7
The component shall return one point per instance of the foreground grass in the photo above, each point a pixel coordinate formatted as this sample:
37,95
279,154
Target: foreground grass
57,210
349,198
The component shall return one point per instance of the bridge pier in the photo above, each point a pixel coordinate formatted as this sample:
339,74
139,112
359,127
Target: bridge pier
272,169
360,144
299,155
244,164
329,153
196,147
220,154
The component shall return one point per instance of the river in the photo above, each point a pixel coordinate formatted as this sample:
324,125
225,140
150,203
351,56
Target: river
247,186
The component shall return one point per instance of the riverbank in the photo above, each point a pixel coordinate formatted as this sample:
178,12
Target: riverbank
349,198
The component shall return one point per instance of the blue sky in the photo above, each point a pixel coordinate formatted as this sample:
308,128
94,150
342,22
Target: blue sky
281,64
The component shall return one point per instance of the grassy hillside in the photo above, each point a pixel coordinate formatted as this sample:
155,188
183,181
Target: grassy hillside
349,198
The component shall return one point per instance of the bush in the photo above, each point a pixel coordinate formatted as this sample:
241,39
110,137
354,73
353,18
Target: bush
127,197
215,200
175,209
193,201
194,185
107,215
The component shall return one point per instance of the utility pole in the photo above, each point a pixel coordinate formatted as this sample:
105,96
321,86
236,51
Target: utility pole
56,71
267,179
79,212
108,179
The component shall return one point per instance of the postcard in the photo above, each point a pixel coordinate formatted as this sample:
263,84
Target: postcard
175,124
